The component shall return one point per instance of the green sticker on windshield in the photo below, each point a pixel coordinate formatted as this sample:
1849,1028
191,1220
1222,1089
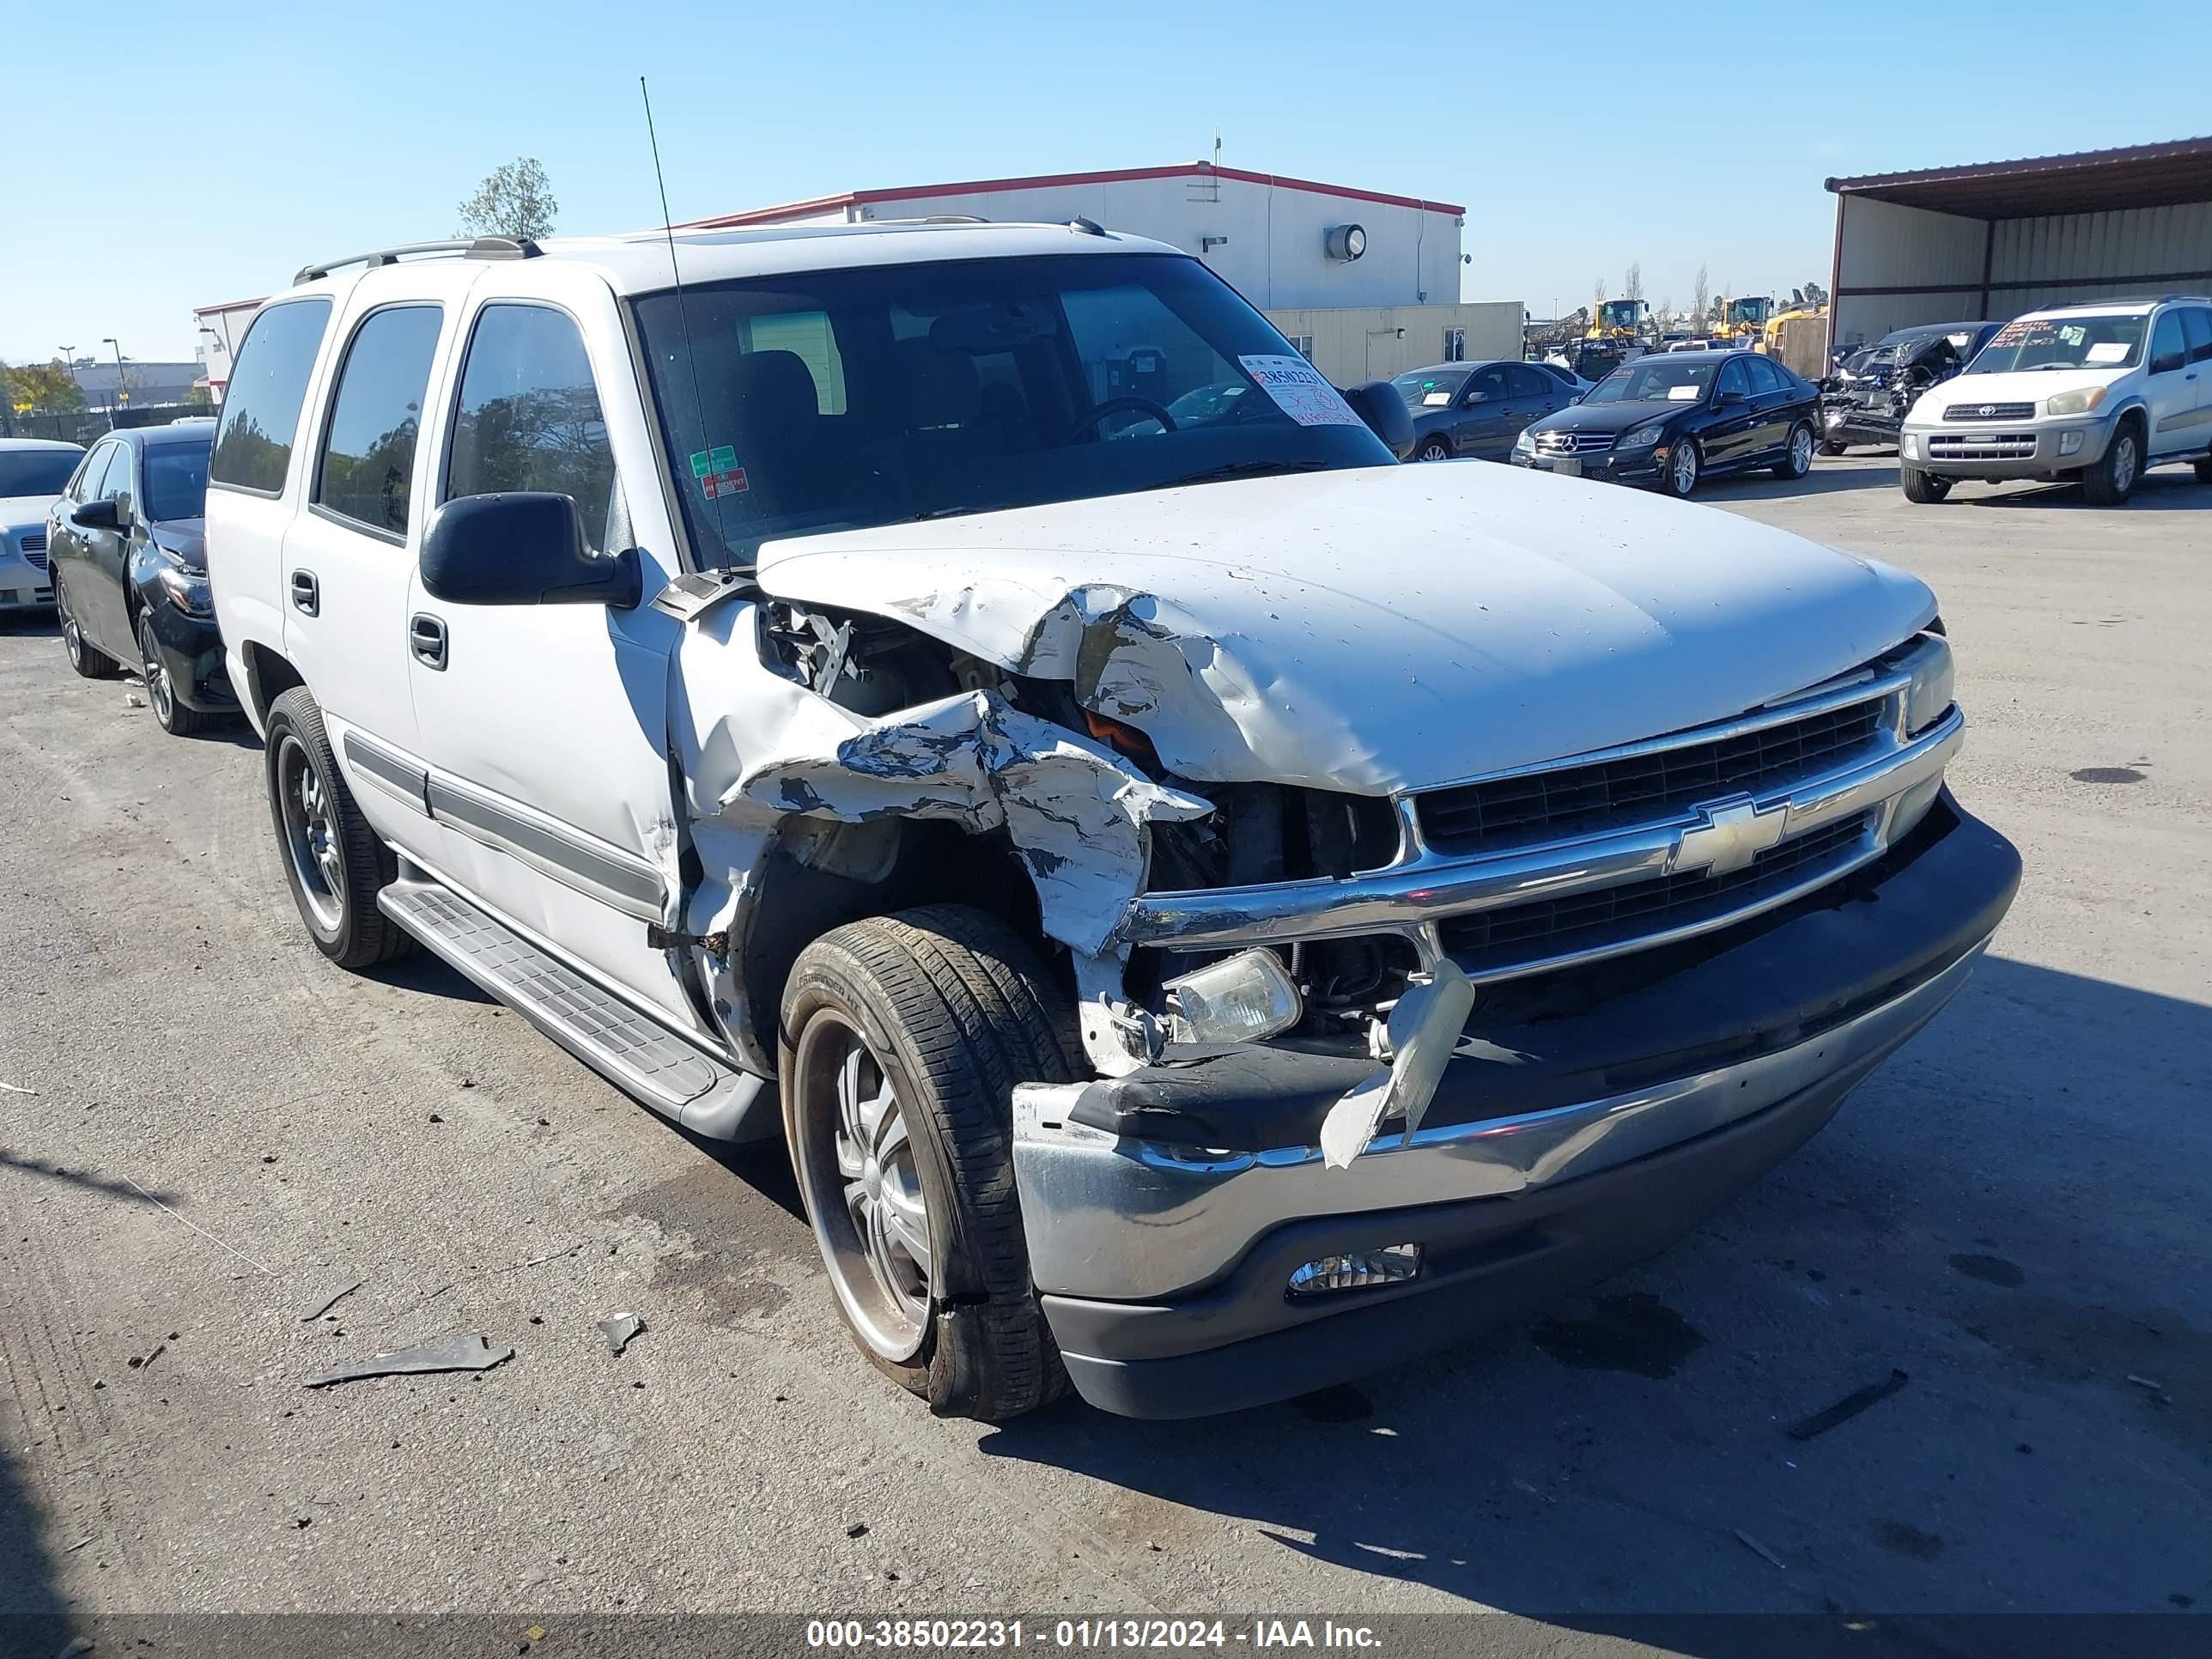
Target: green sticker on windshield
721,458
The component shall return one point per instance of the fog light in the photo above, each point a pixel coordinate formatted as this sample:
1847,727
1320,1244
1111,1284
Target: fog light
1242,999
1359,1270
2070,443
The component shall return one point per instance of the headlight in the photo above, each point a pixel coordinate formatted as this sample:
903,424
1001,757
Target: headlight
1246,998
1526,443
187,590
2076,403
1933,683
1645,436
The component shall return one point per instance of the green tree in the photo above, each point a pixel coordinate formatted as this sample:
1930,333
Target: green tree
44,389
514,200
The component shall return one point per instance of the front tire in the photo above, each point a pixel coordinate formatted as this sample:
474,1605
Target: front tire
1797,454
903,1039
1830,447
1433,449
2111,480
1684,467
2204,469
333,861
1922,487
86,657
176,718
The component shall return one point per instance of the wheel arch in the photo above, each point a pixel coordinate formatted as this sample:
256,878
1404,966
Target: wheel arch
268,675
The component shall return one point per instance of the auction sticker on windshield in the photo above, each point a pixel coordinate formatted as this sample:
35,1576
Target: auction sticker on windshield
2109,352
1299,391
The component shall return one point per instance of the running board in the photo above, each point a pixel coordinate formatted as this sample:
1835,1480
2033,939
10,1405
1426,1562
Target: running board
632,1051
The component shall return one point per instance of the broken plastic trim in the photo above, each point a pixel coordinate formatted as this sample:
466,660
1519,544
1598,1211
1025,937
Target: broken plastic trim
1418,1040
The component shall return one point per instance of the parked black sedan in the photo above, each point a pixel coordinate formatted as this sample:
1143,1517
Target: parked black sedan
1477,409
1674,418
130,571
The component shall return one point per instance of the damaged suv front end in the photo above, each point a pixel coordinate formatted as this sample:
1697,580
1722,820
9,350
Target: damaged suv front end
1440,888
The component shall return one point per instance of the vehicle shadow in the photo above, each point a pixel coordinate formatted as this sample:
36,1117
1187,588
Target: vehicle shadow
33,1614
2167,490
1826,478
1632,1461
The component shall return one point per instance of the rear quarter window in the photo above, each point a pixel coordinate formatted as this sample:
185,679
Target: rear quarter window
267,386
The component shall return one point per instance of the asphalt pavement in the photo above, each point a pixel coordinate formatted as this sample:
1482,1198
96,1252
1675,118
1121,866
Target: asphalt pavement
207,1130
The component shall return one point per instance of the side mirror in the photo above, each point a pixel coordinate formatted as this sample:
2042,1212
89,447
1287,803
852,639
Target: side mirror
2167,364
1727,400
1377,403
95,515
525,547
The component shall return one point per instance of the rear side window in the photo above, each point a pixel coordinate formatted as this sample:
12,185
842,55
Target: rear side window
367,466
261,407
1763,377
529,416
2196,323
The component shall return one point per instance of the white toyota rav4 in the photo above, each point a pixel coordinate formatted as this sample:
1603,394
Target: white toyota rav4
2094,392
1212,911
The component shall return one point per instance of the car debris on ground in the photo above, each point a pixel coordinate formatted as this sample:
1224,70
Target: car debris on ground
325,1304
467,1351
1848,1407
619,1329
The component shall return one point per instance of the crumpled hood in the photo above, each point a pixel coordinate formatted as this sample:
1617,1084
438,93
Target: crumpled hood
183,539
26,512
1377,629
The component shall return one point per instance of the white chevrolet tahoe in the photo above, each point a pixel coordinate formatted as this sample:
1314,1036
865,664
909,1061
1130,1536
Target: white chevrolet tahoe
2091,393
1211,910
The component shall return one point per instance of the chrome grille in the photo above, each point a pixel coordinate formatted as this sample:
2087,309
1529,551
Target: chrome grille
1524,933
1644,788
1994,447
1990,412
1573,443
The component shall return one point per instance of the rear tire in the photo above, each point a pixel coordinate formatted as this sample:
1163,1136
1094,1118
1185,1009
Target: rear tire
2111,480
334,863
174,717
87,659
2204,469
903,1039
1925,488
1433,449
1797,454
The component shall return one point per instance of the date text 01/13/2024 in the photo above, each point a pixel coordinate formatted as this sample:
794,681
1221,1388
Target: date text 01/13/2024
1084,1634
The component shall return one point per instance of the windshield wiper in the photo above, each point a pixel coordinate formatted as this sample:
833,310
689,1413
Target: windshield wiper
1246,470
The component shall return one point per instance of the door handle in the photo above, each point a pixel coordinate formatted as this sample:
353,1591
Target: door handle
426,638
306,593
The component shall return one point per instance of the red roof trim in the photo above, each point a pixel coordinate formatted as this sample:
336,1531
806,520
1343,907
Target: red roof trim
770,215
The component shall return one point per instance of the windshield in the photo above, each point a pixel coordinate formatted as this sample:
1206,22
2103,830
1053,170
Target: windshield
36,471
2071,341
176,481
834,399
1654,380
1430,388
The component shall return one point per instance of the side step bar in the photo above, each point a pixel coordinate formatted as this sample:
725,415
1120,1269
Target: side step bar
634,1052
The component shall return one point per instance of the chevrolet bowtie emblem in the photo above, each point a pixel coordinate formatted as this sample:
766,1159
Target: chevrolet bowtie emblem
1733,835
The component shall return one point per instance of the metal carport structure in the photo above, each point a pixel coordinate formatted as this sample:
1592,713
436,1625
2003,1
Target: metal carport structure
1995,239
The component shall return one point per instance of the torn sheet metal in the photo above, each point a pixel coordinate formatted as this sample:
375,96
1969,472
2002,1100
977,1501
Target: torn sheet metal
619,1329
1420,1035
466,1352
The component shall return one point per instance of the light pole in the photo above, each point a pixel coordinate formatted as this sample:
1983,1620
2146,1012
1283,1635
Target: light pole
121,397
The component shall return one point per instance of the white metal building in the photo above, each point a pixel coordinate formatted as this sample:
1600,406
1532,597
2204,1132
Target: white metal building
221,331
1365,283
1996,239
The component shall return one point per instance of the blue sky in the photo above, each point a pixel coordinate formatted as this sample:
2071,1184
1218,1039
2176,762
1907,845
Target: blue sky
1580,137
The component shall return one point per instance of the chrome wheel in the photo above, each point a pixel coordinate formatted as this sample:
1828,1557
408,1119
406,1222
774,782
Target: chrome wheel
1801,451
72,640
1685,467
856,1157
310,837
2124,463
159,692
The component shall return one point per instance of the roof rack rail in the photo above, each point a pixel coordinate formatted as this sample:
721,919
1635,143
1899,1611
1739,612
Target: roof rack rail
476,247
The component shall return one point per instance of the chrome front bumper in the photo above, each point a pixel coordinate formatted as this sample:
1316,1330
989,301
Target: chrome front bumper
2036,449
1123,1220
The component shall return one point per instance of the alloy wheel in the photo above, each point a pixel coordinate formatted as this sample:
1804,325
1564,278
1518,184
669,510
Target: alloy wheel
1801,450
72,639
864,1186
159,691
1686,467
2124,463
311,835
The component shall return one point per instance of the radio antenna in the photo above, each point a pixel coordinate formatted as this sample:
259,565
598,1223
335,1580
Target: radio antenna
668,229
